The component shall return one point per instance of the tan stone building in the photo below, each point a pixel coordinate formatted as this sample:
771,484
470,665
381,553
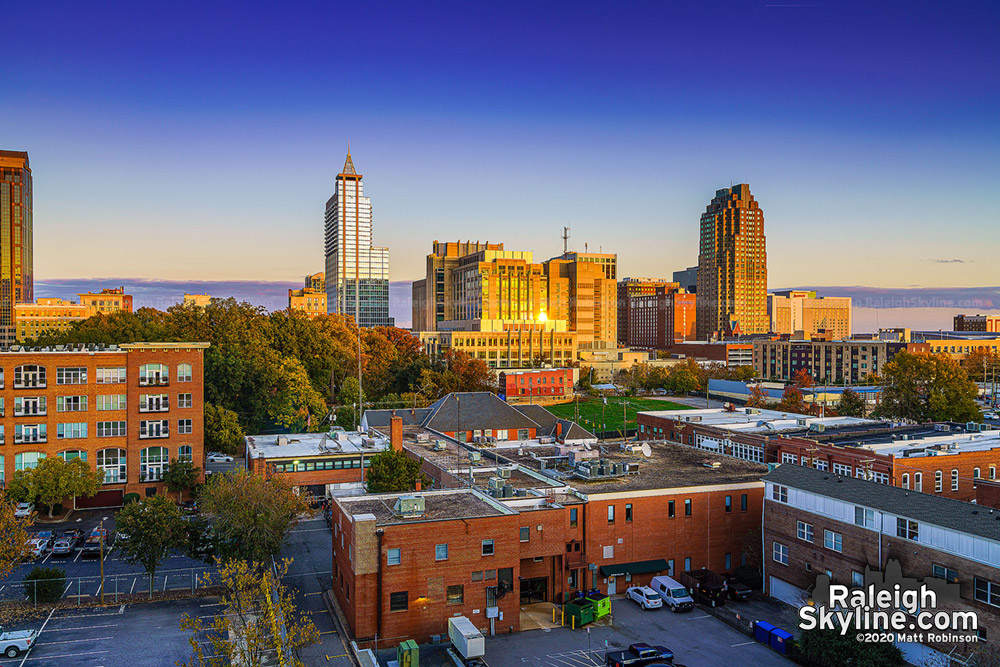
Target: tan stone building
311,299
800,310
197,300
47,316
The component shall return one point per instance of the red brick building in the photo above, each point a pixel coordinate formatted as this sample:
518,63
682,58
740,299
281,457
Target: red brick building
541,383
125,409
660,320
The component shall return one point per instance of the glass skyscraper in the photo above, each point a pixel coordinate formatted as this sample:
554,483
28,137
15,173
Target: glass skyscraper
353,265
16,252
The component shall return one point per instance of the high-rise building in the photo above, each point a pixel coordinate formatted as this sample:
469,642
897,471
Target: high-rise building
801,310
432,295
661,319
687,279
582,290
357,273
630,287
16,250
311,299
732,266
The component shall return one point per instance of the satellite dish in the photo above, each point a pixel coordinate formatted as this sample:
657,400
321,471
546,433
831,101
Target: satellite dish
647,451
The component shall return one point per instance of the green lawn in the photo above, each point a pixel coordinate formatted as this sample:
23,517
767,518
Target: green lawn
595,416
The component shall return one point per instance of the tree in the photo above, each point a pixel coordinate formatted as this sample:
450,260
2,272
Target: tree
45,584
757,397
180,476
392,471
802,379
852,404
222,430
829,648
13,538
927,387
793,401
153,528
253,514
351,400
53,480
261,623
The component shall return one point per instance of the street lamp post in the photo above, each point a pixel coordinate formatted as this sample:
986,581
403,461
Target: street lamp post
101,529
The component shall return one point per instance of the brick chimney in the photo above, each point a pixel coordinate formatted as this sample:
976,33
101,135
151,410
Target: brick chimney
417,487
396,433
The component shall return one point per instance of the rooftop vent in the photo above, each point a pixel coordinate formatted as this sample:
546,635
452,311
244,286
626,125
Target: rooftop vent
410,506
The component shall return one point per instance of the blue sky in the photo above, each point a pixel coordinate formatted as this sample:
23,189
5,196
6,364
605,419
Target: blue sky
199,141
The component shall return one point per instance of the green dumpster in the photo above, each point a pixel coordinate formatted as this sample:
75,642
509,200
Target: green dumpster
602,604
408,654
581,611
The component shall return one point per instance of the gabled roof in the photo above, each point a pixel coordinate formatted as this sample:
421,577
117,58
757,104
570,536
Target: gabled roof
923,507
470,411
548,423
539,415
380,418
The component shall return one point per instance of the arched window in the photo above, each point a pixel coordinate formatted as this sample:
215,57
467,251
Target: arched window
154,374
906,480
71,454
938,481
152,462
954,479
29,376
27,460
918,481
184,453
975,473
184,372
112,462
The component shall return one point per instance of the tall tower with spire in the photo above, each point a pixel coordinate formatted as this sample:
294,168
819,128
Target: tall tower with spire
357,273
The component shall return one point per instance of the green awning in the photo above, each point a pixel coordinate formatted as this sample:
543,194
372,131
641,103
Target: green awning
638,567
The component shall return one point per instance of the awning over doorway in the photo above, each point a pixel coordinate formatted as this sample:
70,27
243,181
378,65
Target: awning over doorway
638,567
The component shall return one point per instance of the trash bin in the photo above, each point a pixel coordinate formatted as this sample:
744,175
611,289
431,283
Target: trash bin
602,604
581,611
408,654
780,640
762,632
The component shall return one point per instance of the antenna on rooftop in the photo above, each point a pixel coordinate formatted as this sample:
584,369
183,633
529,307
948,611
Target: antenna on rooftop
565,238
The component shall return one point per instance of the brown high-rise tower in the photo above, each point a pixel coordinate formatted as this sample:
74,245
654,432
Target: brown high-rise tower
16,253
732,266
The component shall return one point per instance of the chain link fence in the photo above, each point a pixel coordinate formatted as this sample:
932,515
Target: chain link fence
112,588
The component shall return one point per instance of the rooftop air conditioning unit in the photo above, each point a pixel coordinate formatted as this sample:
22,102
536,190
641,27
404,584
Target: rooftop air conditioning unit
475,457
504,472
410,505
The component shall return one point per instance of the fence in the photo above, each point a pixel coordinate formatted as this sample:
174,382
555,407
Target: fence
115,587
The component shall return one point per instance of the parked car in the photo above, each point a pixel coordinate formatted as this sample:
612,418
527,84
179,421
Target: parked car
99,532
216,457
24,510
675,596
640,655
45,535
63,547
644,596
91,548
74,534
737,590
991,415
18,641
39,546
189,506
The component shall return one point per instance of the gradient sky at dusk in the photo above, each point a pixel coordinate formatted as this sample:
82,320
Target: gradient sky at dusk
200,140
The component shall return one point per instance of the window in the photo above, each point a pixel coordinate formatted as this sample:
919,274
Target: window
440,552
993,472
907,529
743,503
27,460
842,469
687,507
987,591
833,540
573,514
110,375
857,579
393,557
71,454
611,513
399,601
71,403
864,517
30,433
628,513
789,458
456,594
779,493
523,433
154,403
779,553
487,547
185,400
954,479
918,481
184,453
111,402
525,533
152,462
74,375
938,477
975,473
687,564
489,575
110,429
29,377
74,430
804,531
729,561
906,480
27,406
184,426
943,572
670,509
153,374
478,575
729,503
670,567
158,428
183,372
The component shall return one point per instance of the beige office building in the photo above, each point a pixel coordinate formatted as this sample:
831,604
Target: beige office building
799,310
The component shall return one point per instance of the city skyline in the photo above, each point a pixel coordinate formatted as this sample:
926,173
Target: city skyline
885,114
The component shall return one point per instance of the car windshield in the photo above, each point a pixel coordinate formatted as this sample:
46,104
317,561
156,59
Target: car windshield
679,592
650,595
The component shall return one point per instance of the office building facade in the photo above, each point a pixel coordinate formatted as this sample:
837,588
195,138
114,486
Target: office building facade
16,239
356,271
990,323
732,266
792,311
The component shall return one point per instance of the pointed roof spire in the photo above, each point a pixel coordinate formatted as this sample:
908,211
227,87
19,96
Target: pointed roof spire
349,163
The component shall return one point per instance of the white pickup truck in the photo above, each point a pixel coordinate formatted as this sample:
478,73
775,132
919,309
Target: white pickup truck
12,643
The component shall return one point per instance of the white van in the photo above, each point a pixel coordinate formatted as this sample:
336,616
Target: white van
674,595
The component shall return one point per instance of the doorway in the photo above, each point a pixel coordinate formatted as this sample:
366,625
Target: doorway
534,590
612,586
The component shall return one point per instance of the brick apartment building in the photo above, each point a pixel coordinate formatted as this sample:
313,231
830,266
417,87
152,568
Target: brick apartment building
660,320
125,409
943,459
839,361
817,522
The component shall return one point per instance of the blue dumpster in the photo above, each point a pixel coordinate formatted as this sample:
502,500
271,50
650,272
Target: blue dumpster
780,640
762,632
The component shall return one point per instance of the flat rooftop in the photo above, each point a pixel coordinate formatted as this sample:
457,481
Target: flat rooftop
927,443
438,506
303,445
669,466
763,421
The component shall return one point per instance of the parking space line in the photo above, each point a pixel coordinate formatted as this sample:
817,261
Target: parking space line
744,644
165,577
74,641
77,556
82,627
40,631
134,579
65,655
695,618
68,586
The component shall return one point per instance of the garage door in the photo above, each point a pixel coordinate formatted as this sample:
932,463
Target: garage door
787,593
110,498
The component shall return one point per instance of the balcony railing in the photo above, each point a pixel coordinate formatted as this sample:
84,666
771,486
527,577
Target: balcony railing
165,433
30,384
154,382
26,439
158,408
37,412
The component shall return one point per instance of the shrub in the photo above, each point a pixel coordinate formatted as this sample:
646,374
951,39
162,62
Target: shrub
45,584
130,498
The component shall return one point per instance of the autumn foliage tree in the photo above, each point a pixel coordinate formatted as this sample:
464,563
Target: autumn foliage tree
13,537
927,387
53,479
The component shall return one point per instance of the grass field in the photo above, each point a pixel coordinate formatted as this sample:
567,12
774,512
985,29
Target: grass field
596,416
